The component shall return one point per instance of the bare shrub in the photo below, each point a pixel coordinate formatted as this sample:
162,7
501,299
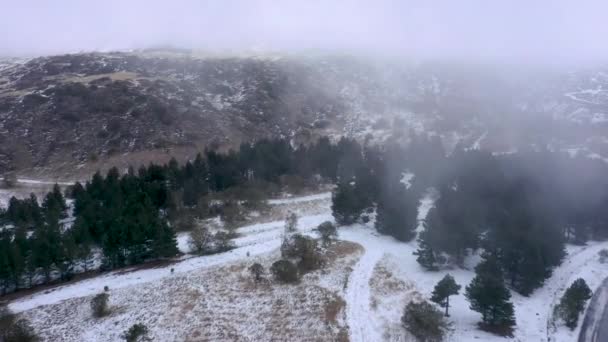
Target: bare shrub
13,329
424,321
256,270
291,222
223,241
200,240
328,232
284,271
100,306
137,333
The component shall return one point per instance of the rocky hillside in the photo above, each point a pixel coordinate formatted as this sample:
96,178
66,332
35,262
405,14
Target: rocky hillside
69,115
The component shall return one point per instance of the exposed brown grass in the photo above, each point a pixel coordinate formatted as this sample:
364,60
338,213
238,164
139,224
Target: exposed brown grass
385,282
332,308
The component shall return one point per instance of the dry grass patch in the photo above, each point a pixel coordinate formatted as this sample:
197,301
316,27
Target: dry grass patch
221,303
332,308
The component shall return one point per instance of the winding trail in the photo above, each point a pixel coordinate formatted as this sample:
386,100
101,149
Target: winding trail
358,298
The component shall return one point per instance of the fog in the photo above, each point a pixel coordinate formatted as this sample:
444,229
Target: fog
547,31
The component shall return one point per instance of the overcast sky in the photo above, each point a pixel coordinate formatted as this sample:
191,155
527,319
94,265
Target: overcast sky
515,30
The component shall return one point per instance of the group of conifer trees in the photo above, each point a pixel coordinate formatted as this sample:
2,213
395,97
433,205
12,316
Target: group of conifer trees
124,219
518,210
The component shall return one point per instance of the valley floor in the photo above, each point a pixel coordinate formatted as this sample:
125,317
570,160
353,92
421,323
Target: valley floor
360,296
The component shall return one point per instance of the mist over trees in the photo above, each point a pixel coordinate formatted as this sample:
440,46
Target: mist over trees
522,207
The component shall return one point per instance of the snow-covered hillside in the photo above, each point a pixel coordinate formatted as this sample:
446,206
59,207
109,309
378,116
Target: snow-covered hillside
365,291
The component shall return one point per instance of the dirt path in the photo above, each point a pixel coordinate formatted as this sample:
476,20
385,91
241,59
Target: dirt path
358,309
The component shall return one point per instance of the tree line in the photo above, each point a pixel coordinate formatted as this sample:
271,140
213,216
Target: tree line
126,219
518,210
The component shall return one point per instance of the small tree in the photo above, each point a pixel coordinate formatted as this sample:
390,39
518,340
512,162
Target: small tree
137,333
291,222
346,204
99,305
425,254
256,270
284,271
223,242
424,321
445,288
328,232
573,302
15,330
489,296
200,240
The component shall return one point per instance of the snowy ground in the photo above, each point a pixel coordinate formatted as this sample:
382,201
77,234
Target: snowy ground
220,303
375,293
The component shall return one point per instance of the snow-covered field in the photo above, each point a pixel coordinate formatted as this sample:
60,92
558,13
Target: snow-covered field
374,294
220,303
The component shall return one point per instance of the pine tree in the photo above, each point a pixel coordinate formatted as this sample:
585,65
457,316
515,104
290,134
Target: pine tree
396,213
346,205
425,254
445,288
527,237
573,303
488,295
54,204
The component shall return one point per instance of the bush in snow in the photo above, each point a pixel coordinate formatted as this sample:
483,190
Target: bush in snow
284,271
573,303
136,333
99,305
303,248
445,288
291,222
328,232
13,329
223,241
424,321
200,240
256,270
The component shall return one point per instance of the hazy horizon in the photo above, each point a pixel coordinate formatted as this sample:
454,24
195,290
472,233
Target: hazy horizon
545,32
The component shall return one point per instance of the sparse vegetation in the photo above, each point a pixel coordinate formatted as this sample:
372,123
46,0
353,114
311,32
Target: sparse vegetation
285,271
14,329
136,333
424,322
100,305
201,240
291,222
257,271
328,232
223,241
